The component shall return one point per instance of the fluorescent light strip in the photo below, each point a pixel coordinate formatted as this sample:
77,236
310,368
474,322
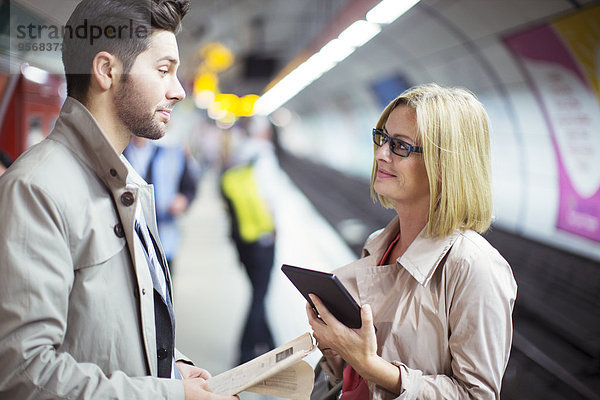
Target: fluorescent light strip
388,11
334,52
359,33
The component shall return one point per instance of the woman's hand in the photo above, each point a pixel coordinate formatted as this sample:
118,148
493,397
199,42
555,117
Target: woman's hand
358,347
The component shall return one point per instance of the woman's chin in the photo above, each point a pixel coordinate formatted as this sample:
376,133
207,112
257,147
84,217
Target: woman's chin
382,189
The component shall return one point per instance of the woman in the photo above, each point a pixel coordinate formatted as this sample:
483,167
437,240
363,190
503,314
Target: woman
437,297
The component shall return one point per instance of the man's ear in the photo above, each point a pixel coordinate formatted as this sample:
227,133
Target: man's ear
106,68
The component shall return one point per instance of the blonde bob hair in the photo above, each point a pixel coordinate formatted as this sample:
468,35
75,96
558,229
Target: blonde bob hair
453,130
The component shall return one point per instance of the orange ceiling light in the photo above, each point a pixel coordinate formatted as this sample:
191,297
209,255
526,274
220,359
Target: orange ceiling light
217,57
206,81
227,102
223,107
246,105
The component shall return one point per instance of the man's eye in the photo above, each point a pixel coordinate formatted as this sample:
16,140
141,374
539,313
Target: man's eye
163,71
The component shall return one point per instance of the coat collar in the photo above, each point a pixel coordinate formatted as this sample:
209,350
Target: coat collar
420,259
77,129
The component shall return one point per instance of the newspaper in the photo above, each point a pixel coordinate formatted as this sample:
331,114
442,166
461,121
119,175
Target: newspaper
280,372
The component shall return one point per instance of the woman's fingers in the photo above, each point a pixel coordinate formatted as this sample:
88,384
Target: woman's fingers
332,334
324,313
318,324
366,316
312,316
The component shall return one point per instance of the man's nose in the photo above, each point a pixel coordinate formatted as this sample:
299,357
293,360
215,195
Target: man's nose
176,91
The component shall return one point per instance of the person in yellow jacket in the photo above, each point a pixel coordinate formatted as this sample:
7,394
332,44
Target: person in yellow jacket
252,231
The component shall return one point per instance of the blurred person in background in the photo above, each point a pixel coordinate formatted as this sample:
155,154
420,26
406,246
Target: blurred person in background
249,185
85,296
168,169
5,162
436,297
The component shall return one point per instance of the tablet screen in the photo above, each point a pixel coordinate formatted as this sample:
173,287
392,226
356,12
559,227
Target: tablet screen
329,289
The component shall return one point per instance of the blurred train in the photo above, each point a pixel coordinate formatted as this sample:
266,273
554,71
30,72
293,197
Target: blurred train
30,100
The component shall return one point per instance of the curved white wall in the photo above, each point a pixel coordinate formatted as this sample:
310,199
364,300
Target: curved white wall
453,43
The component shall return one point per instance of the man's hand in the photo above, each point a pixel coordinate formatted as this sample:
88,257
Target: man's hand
191,371
178,205
194,383
198,389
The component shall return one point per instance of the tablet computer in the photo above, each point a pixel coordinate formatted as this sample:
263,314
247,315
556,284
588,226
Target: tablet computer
329,289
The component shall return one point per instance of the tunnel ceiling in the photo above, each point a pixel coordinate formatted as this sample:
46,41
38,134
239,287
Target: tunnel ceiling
265,35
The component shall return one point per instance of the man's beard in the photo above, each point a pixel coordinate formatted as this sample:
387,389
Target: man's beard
134,114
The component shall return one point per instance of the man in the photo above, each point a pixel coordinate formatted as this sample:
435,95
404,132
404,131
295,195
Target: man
85,294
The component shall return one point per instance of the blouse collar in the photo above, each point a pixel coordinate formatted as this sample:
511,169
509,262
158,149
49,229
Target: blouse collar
421,258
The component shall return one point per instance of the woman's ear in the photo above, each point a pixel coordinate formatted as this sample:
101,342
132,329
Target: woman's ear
105,70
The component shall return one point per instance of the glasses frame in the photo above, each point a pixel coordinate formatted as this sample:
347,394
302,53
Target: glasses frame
395,142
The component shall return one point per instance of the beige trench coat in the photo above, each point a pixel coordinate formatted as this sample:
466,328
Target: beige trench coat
447,327
76,297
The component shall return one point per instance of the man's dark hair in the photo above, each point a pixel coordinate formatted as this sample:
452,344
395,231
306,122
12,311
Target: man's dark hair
120,27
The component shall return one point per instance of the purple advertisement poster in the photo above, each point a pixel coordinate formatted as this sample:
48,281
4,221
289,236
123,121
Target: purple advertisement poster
562,63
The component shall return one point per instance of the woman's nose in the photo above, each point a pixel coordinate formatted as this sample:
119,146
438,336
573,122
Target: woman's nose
384,151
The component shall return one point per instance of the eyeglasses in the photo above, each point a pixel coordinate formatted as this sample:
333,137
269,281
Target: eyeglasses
397,146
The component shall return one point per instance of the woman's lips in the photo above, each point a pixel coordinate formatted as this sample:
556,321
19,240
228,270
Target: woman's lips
384,174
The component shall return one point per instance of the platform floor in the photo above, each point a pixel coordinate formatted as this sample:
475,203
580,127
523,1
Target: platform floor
212,291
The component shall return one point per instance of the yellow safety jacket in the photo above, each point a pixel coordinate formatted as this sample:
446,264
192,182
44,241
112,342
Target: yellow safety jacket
251,211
